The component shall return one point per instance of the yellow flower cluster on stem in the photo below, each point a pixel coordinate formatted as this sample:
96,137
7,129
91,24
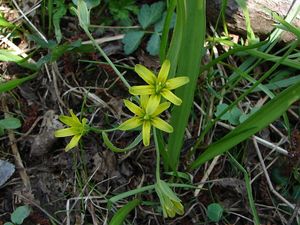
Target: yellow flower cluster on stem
149,109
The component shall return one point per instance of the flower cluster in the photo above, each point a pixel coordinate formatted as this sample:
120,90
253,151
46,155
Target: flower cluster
147,114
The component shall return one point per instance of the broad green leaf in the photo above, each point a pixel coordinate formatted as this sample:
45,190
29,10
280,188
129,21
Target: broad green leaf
190,28
153,44
90,3
20,214
215,212
10,123
259,120
122,213
132,41
9,223
9,85
113,148
150,14
59,12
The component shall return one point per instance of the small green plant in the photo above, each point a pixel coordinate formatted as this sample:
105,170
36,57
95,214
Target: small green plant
9,124
121,10
147,16
19,215
215,212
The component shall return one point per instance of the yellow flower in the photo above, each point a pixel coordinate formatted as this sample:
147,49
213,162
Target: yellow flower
170,203
160,85
146,115
77,129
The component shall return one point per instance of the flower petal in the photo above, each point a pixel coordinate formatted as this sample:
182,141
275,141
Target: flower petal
68,120
146,132
164,72
162,125
67,132
74,117
131,123
142,90
167,94
133,108
152,104
73,143
144,101
162,107
145,74
176,82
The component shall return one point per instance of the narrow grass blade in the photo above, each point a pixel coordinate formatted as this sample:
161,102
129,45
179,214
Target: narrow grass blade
259,120
9,85
191,51
122,213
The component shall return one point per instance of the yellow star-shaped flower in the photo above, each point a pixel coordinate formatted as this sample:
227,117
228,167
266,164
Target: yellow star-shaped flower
146,115
158,85
77,129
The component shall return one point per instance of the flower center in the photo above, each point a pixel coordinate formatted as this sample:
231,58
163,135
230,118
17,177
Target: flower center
158,87
147,117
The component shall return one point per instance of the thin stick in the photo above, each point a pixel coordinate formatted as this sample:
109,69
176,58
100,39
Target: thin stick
15,151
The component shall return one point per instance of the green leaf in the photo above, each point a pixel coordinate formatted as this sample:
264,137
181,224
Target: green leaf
259,120
90,3
122,213
9,56
215,212
113,148
185,52
9,85
59,12
20,214
132,41
150,14
83,13
158,27
10,123
153,44
9,223
5,23
220,109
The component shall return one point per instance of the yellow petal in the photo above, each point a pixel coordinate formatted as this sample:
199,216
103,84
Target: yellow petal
74,117
144,101
162,125
68,120
142,90
131,124
133,108
73,143
171,97
152,104
164,72
146,132
66,132
145,74
176,82
162,107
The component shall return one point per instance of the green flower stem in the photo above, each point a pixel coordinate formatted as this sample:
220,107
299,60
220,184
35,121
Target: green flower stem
248,188
106,58
157,155
99,131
